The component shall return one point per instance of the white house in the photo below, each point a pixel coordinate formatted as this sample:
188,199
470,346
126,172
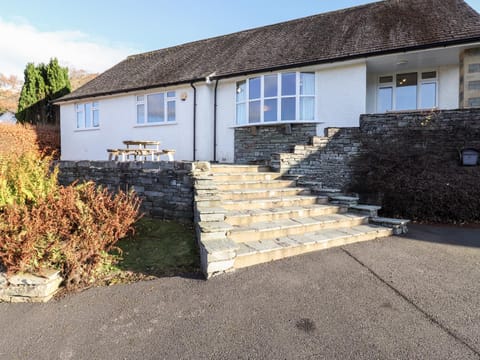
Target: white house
326,69
7,117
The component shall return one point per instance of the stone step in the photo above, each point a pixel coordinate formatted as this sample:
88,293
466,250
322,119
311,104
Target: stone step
261,251
239,205
230,168
248,217
244,176
344,200
260,184
247,194
398,226
368,210
295,226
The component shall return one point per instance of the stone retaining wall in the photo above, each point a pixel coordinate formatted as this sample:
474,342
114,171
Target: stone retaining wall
166,188
332,159
256,144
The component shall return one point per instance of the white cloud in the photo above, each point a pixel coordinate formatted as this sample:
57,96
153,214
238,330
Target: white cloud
21,43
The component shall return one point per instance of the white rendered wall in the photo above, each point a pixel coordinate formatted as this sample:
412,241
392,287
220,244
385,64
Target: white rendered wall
118,123
449,87
341,96
226,105
204,122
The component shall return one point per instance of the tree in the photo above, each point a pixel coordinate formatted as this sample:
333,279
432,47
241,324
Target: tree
9,93
43,83
80,77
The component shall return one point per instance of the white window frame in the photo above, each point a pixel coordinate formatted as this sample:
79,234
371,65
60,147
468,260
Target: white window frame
420,82
166,101
297,96
81,108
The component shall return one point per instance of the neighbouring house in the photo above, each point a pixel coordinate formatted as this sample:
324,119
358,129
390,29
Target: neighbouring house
7,118
297,78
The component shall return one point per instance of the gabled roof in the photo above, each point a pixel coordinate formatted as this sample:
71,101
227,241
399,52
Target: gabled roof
377,28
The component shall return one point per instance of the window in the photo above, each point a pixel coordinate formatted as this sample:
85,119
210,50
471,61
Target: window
276,98
407,91
87,115
156,108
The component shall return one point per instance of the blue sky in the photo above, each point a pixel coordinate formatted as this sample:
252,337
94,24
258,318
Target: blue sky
95,34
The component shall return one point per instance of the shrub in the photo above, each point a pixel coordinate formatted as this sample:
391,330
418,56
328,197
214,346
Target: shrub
25,179
18,139
412,178
71,228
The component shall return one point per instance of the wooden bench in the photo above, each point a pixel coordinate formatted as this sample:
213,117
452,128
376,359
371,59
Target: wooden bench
144,154
169,152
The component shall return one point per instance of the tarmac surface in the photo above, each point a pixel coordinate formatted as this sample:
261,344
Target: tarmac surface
410,297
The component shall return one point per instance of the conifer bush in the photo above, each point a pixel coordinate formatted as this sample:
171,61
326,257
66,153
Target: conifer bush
72,228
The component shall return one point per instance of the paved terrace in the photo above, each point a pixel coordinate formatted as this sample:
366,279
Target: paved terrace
415,297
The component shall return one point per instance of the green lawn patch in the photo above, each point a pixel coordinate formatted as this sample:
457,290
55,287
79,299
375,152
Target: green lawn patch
158,248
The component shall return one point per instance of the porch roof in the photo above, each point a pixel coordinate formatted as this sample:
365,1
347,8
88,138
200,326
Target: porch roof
383,27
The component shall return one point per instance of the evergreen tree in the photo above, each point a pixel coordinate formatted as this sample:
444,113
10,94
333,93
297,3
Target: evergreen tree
43,83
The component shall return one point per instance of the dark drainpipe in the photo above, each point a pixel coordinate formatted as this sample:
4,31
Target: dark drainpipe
215,122
194,121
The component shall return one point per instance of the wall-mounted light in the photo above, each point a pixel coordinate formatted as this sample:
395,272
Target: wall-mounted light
183,96
402,62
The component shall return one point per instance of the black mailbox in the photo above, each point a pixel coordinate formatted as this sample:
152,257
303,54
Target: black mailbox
469,157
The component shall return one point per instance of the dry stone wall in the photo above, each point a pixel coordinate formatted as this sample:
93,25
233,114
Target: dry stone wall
256,144
166,188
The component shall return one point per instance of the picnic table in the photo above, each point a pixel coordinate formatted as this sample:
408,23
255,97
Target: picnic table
140,149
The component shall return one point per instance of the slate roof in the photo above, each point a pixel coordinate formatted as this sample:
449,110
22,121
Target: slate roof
382,27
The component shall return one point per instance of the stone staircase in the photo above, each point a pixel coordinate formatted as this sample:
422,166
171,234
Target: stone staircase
247,215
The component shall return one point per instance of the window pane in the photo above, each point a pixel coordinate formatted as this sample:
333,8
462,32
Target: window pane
96,118
307,108
140,98
171,94
254,88
288,109
270,110
407,97
429,75
155,108
385,79
241,114
307,83
429,95
384,99
288,84
241,91
140,113
270,86
254,112
88,115
409,79
171,111
80,120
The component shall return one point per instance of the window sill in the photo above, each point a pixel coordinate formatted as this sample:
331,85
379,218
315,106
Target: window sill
277,123
155,124
87,129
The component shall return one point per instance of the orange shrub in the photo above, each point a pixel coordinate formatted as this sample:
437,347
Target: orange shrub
71,230
18,138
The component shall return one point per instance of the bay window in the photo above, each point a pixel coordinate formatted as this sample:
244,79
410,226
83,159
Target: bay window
156,108
87,115
407,91
276,98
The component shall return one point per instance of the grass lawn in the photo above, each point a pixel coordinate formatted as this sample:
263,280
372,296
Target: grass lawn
158,248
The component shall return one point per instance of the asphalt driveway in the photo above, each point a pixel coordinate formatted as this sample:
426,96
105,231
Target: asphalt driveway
413,297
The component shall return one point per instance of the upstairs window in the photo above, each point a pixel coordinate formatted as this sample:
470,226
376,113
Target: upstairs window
156,108
276,98
407,91
88,116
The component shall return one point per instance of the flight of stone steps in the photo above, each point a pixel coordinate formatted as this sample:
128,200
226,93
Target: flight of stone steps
247,215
